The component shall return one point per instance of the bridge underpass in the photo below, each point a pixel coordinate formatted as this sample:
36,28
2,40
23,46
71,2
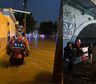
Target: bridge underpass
79,21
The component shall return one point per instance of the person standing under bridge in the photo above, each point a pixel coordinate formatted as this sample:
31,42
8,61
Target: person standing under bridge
90,52
78,44
68,56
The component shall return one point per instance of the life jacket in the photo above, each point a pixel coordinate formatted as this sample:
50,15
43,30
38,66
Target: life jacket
17,43
17,46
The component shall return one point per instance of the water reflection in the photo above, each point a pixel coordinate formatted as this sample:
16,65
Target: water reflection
36,39
33,40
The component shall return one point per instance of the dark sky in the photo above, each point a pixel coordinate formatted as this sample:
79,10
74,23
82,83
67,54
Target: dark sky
42,10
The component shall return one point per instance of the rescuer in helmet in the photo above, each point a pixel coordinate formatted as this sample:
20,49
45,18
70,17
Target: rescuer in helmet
18,47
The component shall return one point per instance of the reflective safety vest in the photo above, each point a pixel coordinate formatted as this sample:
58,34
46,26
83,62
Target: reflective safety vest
17,43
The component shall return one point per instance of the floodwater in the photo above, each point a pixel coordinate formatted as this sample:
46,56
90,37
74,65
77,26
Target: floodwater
37,67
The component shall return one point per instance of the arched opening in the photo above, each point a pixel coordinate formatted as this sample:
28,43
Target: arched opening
80,28
88,34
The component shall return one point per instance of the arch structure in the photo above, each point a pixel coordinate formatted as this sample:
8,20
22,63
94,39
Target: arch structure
73,23
80,28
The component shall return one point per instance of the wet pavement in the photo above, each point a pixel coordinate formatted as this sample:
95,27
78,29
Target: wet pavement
37,68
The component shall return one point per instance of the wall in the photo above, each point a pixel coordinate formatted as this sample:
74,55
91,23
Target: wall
73,22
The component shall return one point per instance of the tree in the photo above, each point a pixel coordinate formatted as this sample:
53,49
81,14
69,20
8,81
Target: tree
30,22
46,28
55,27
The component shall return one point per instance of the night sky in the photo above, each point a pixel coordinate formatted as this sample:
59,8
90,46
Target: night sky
42,10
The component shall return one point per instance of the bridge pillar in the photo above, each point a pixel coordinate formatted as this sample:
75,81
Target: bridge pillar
58,60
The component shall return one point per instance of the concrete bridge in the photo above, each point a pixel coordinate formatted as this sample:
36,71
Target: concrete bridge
78,15
79,21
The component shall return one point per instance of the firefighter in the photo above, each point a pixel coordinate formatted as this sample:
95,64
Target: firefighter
22,35
16,44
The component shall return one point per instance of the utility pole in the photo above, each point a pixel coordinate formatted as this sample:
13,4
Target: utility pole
24,8
16,4
58,60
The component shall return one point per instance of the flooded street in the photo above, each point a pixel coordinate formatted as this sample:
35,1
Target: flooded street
37,68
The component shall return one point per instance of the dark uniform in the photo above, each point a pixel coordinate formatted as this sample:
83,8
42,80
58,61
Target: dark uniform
68,57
